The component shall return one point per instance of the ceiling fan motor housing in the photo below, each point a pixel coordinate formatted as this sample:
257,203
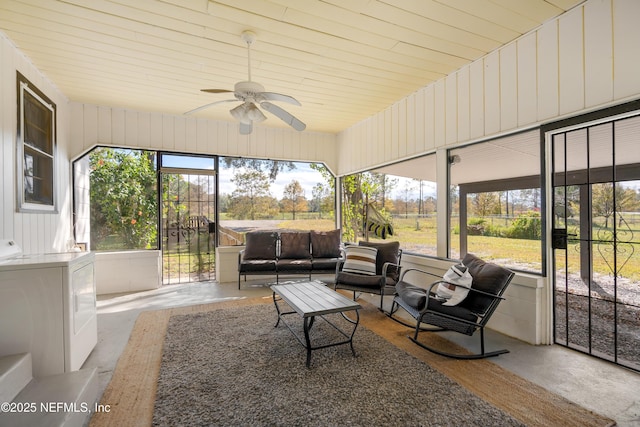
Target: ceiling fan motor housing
247,90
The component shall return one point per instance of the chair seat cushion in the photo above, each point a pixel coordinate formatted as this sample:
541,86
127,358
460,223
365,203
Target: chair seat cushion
294,265
414,296
326,264
257,265
362,280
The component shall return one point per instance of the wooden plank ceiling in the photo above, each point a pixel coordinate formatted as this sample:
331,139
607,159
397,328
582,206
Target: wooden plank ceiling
344,60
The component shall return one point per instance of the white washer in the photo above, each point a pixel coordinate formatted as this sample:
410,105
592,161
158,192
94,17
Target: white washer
47,308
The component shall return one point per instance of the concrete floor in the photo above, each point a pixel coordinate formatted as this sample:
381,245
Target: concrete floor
592,383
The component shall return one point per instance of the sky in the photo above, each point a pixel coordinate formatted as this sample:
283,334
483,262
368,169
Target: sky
306,176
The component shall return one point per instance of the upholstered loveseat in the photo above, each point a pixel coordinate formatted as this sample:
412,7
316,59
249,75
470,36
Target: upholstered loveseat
289,252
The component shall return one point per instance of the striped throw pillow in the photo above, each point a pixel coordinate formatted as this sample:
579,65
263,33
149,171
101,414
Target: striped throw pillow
361,260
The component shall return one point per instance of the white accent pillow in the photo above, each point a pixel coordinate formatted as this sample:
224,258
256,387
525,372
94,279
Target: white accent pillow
458,274
360,260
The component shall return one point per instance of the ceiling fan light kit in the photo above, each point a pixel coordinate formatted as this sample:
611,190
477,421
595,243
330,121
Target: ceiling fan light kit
252,94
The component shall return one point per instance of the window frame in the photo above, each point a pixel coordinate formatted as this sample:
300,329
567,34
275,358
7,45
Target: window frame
26,89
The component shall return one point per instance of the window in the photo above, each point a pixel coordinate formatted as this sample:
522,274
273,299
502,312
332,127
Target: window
124,199
36,148
269,194
495,200
395,202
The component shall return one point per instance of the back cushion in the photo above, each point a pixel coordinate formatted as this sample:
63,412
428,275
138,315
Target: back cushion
487,277
387,252
360,260
260,245
325,244
294,245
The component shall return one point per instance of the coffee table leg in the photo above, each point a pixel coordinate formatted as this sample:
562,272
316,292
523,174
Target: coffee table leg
307,325
353,350
275,302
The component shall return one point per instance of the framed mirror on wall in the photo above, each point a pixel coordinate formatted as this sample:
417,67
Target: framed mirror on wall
36,149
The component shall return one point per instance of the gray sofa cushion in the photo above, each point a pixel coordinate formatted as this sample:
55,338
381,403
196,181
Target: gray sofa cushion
260,245
325,244
294,245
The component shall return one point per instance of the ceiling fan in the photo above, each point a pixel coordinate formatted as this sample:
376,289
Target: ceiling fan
252,95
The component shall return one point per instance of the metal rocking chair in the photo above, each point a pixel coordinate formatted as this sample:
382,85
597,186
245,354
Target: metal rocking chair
489,283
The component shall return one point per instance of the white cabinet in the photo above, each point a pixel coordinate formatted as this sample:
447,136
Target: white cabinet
48,309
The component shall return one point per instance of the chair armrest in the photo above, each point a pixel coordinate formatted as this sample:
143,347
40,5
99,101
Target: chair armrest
407,270
240,255
386,266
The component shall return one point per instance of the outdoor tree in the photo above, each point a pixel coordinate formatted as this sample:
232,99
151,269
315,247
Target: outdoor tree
484,204
406,196
321,200
293,198
123,193
251,199
607,199
270,167
356,191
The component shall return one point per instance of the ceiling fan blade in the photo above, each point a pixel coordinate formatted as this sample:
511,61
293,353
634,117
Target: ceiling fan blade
245,129
195,110
283,115
272,96
216,90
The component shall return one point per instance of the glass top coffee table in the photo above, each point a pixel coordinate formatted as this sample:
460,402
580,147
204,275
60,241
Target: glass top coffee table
311,299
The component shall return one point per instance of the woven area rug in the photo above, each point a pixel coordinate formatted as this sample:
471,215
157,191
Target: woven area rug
225,364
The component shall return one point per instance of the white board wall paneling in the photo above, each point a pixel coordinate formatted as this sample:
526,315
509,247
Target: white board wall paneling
429,117
571,61
411,123
548,63
180,132
200,137
375,145
439,117
463,108
598,53
386,151
144,130
527,79
395,135
104,126
626,38
266,145
371,141
403,123
451,108
211,137
131,129
508,87
476,99
118,127
7,157
155,130
168,132
492,93
84,129
420,121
